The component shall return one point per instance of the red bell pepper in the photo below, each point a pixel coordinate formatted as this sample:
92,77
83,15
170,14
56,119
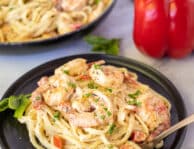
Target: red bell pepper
164,27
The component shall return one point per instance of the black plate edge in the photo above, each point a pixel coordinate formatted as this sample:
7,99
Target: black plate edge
66,35
96,56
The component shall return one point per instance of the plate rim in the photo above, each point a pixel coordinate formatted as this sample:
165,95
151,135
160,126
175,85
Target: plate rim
149,68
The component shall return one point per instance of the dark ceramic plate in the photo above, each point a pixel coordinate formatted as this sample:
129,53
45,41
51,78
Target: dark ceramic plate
14,135
83,30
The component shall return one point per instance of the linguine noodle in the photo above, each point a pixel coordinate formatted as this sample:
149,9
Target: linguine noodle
27,20
94,106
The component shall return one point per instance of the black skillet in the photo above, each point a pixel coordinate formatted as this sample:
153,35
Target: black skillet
14,135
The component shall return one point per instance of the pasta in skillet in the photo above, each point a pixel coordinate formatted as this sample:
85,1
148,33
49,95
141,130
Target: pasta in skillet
27,20
94,106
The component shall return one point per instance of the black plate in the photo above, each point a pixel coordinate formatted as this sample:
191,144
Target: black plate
85,29
13,135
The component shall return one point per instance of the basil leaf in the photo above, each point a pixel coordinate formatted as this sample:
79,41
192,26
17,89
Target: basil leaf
14,102
17,103
101,44
22,107
4,104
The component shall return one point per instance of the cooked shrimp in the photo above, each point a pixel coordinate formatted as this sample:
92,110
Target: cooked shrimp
43,86
138,136
100,106
107,76
37,97
70,5
60,80
165,125
84,119
74,67
61,89
98,111
56,96
99,62
155,113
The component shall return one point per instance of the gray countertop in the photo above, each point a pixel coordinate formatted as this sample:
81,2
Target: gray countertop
15,62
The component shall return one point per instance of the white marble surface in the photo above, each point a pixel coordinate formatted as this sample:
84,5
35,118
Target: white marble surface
17,61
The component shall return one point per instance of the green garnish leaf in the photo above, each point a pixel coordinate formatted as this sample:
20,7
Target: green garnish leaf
96,66
105,109
66,72
38,97
102,117
71,84
134,102
109,90
17,103
87,95
22,107
96,100
11,8
109,113
135,95
97,2
92,85
14,102
56,115
111,128
110,147
101,44
4,104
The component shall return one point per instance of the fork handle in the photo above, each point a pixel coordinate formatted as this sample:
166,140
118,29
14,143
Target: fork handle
182,123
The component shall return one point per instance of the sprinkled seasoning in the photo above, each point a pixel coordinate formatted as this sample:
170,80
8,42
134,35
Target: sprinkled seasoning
111,128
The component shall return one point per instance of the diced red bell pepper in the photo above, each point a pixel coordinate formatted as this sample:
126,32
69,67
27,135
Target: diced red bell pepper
58,142
164,27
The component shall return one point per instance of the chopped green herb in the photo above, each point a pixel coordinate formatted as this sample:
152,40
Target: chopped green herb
110,147
96,100
66,72
96,66
105,109
111,128
109,90
134,102
102,117
109,113
38,97
134,95
11,8
71,84
56,115
92,85
87,95
102,104
97,1
101,44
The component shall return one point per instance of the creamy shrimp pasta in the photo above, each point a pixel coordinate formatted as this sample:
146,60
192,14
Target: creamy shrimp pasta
94,106
27,20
